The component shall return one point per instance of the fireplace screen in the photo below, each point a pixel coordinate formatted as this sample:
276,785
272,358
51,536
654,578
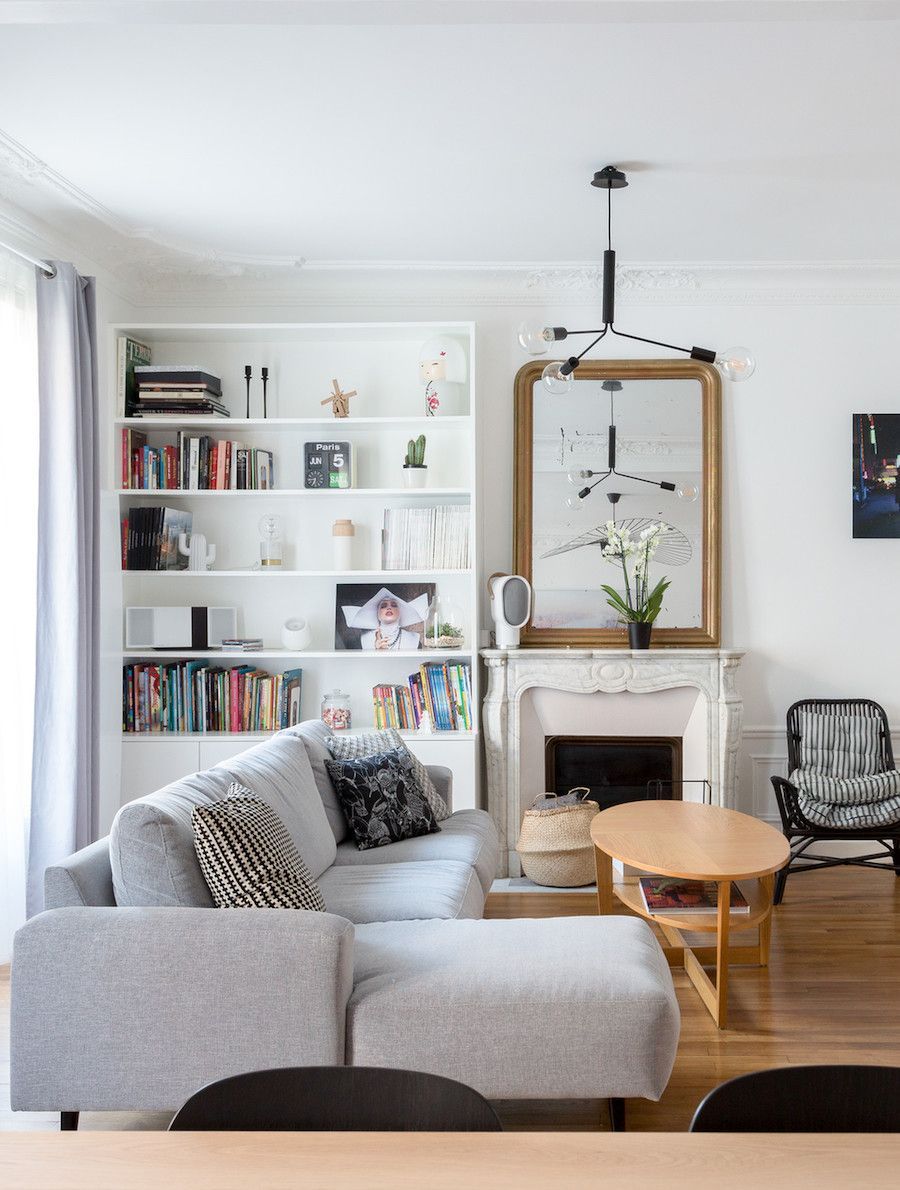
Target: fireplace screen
616,769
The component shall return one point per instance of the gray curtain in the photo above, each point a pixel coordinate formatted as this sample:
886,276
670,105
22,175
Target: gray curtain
64,774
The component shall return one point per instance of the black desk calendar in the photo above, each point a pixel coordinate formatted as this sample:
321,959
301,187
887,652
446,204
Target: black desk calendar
327,465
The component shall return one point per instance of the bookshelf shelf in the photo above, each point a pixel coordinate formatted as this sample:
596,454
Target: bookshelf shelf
380,361
290,493
284,655
255,737
342,575
149,424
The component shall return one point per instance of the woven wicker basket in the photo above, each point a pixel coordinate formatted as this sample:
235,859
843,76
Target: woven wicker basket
555,841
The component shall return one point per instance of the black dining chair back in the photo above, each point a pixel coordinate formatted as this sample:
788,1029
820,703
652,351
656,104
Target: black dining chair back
804,1099
336,1099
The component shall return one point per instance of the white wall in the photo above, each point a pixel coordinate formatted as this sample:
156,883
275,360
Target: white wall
812,607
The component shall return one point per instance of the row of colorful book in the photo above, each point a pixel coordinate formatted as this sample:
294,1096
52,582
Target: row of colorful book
194,463
442,691
426,538
195,696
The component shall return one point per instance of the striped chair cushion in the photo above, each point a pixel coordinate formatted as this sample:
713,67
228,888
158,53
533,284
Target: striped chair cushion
841,781
247,857
839,745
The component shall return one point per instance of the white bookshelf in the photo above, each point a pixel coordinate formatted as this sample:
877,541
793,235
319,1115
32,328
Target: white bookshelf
380,361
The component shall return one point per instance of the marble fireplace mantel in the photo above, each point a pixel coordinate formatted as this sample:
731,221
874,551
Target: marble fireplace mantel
512,673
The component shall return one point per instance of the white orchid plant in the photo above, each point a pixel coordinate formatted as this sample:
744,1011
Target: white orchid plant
640,604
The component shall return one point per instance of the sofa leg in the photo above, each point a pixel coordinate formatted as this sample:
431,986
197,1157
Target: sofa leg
617,1115
68,1121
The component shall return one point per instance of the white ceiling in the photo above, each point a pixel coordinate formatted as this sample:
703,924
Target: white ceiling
405,139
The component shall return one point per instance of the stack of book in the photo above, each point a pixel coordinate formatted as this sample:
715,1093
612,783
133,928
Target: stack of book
442,691
426,538
150,538
194,696
177,390
195,463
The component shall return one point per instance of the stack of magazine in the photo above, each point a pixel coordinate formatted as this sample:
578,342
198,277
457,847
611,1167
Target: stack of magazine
426,538
664,894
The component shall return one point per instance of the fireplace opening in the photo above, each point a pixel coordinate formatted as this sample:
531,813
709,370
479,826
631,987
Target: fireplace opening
616,769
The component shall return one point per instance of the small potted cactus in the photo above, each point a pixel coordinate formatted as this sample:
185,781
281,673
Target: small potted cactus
415,470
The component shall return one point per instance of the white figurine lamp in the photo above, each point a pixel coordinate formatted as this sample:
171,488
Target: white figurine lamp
444,372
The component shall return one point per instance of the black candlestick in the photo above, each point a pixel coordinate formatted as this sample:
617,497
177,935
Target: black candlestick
248,372
265,380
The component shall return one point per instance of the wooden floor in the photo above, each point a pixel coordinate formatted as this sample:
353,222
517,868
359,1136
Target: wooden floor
829,995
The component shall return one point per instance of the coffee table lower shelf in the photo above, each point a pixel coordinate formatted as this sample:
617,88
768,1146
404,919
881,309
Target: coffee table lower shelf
694,959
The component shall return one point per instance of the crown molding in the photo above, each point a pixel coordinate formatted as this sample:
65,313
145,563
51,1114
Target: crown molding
148,268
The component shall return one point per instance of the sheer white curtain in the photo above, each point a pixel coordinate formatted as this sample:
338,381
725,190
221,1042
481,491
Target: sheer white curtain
18,597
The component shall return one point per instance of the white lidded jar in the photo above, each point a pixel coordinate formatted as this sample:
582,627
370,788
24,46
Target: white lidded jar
342,535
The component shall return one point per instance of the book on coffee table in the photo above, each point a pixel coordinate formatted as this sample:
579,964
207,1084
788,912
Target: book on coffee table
664,894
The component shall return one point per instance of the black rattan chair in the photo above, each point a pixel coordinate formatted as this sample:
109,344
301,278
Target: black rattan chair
804,1099
336,1099
800,832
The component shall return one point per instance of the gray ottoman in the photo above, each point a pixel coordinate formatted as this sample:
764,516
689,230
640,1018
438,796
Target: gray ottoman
554,1008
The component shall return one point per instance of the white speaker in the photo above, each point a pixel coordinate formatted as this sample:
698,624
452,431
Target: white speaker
179,627
510,607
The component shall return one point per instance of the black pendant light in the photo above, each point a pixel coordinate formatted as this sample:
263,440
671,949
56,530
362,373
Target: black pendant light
736,363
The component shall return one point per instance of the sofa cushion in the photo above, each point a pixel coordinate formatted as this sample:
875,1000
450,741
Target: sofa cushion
151,844
347,746
382,800
396,892
468,836
279,772
565,1007
315,735
247,857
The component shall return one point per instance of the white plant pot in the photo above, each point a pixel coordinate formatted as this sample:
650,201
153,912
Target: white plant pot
415,477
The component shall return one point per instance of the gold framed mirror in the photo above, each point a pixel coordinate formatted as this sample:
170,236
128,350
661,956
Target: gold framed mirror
666,440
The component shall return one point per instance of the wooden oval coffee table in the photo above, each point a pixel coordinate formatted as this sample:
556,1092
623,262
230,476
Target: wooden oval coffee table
695,842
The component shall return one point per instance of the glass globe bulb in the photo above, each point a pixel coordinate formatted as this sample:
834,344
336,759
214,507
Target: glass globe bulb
555,380
736,363
573,502
577,478
534,339
687,491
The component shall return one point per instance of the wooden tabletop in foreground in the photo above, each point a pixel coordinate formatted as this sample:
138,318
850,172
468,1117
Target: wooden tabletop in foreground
690,840
442,1161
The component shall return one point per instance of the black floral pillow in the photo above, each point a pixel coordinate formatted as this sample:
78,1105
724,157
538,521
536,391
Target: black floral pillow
381,798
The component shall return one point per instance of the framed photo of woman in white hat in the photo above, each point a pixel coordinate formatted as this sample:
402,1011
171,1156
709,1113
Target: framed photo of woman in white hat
373,618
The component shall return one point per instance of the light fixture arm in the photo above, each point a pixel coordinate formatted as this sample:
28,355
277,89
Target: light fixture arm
736,363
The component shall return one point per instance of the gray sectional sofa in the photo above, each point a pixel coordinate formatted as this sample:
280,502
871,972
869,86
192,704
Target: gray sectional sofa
131,991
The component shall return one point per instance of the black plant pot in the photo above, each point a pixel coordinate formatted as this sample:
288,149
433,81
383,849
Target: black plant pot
639,635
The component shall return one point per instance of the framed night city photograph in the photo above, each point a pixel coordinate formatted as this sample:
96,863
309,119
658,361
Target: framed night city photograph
876,495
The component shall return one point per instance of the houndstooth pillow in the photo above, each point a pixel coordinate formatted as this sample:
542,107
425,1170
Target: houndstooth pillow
381,799
247,857
371,743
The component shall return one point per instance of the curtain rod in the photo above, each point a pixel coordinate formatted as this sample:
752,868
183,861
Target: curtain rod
44,265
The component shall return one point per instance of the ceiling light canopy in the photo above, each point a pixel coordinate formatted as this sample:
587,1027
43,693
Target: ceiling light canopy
736,363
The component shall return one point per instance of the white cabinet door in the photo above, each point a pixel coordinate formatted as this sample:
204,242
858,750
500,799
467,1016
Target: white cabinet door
213,752
458,755
148,765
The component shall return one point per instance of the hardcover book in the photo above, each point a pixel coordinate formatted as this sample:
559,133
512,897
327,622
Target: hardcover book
663,894
129,355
